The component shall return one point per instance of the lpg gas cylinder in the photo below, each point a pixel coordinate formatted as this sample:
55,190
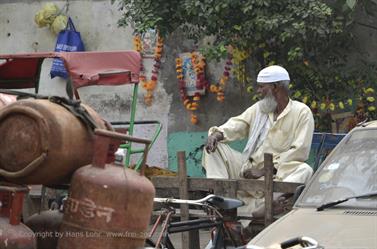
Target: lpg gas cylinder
14,234
108,206
6,99
46,225
42,142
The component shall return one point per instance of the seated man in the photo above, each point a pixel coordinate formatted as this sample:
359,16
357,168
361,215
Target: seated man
276,125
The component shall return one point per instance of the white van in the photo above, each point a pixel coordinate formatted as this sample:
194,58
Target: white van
338,207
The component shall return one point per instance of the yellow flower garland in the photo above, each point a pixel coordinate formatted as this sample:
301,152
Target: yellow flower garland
218,88
191,103
149,85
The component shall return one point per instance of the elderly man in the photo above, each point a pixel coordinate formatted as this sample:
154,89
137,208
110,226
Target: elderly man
276,125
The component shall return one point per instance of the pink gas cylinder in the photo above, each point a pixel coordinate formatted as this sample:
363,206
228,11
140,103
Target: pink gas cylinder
108,206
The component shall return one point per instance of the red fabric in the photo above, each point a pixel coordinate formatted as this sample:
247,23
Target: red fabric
21,70
18,73
87,68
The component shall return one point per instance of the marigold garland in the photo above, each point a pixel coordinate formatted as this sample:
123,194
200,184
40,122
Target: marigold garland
149,85
199,63
331,105
239,57
191,103
365,103
219,87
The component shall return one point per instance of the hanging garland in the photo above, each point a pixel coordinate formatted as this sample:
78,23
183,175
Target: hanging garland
369,100
199,63
357,109
327,104
137,43
191,103
239,58
219,87
149,85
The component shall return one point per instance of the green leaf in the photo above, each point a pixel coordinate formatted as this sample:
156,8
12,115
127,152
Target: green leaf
237,27
222,49
351,4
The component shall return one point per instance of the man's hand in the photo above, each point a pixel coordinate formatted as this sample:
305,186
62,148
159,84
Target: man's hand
213,140
253,173
280,205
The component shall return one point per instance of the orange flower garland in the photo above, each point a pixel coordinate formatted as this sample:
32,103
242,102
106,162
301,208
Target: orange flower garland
199,64
149,85
191,103
137,43
219,87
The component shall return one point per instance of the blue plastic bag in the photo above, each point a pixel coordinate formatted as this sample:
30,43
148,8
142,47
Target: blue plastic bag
69,40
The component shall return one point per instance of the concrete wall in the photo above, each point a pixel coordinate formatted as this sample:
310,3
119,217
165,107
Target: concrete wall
97,22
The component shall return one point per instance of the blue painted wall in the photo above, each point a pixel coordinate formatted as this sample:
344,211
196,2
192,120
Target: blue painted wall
193,142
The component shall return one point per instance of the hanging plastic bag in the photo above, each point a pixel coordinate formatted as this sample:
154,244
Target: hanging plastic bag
46,15
69,40
59,24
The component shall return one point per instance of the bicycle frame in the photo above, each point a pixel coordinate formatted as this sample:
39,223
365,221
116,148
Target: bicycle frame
214,220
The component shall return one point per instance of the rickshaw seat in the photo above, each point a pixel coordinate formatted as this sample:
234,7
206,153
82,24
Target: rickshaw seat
110,68
102,68
18,71
21,71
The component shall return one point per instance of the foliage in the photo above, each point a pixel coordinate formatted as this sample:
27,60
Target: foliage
311,38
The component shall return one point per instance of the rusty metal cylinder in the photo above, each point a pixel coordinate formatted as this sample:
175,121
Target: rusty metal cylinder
108,207
42,142
6,99
46,225
14,234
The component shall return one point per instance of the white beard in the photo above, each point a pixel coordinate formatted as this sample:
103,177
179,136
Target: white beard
268,104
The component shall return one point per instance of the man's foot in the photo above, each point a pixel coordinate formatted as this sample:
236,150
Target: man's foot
281,204
236,232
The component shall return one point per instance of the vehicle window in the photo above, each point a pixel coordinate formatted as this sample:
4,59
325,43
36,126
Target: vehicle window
350,170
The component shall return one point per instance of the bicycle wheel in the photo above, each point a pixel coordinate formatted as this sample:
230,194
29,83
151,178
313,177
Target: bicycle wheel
149,243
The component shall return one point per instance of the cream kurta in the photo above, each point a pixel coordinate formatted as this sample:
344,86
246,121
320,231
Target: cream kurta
288,139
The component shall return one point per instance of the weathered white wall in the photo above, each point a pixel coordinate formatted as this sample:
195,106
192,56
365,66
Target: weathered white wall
97,22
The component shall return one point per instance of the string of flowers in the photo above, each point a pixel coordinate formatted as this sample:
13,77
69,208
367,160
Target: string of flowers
369,99
356,109
191,103
149,85
239,57
327,104
137,43
218,88
199,63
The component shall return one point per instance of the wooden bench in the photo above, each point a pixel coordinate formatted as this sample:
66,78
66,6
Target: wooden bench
224,187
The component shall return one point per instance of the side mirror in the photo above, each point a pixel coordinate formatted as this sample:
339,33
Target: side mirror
298,192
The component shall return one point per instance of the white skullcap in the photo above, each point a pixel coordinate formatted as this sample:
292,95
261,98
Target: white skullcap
272,74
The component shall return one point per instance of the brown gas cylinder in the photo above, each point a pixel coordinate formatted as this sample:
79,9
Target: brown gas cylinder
46,225
6,99
108,206
42,142
14,234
